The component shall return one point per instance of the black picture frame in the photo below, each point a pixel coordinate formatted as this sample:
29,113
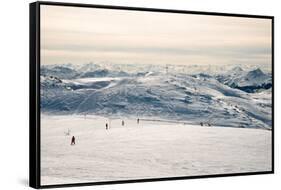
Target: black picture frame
34,93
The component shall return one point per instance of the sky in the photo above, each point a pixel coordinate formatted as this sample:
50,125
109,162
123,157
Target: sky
82,35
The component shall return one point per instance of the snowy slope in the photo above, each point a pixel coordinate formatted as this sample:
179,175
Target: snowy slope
248,81
149,93
145,150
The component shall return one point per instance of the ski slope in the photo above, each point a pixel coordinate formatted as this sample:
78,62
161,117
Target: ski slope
236,98
150,149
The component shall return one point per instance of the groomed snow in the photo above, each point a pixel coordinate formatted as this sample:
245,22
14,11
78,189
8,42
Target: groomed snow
145,150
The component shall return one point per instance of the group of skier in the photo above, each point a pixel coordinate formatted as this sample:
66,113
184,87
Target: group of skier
106,128
122,123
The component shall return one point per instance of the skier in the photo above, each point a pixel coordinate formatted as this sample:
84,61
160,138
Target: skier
72,140
201,123
123,123
106,126
138,120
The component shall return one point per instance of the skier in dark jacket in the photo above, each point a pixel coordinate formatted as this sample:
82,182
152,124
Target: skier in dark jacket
106,126
72,140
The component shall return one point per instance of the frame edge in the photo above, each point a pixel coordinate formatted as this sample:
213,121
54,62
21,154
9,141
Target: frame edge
34,170
34,107
151,9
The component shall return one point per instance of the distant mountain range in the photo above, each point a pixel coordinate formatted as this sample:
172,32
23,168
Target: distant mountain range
236,98
251,81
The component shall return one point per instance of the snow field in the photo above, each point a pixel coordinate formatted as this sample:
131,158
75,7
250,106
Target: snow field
146,150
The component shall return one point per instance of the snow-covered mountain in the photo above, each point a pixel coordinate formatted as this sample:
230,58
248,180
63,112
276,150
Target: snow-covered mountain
248,81
62,72
150,93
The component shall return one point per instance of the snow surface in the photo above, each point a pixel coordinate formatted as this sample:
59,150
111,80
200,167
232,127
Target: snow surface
190,98
150,149
248,81
233,104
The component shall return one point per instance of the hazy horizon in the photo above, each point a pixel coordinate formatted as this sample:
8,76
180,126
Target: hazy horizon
82,35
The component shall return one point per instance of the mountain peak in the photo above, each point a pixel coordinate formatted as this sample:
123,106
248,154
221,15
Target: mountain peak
256,72
237,69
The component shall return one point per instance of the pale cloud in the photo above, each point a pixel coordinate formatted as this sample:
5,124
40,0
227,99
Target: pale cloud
80,35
